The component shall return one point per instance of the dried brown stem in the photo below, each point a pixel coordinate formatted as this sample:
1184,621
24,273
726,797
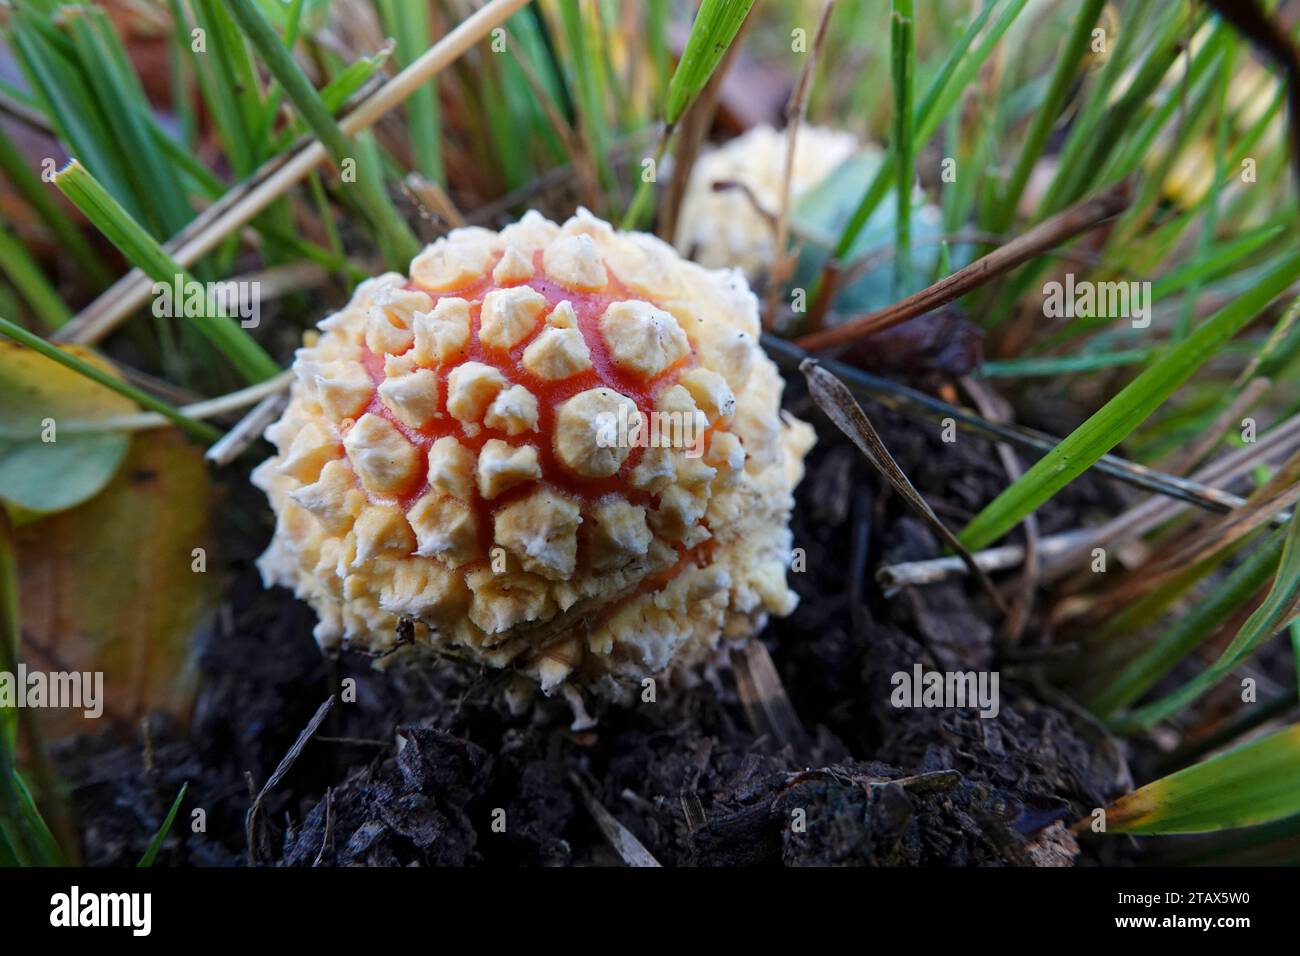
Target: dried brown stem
994,408
796,110
1048,234
278,176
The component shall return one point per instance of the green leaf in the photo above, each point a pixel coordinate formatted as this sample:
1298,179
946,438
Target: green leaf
50,476
1258,782
1125,412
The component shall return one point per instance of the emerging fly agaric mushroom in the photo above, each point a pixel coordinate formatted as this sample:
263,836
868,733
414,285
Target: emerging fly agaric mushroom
557,449
735,188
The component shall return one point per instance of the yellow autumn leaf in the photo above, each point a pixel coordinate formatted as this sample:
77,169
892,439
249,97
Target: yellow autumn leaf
112,585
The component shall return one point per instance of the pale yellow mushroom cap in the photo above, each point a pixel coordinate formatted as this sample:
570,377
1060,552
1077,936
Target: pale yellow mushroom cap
731,226
555,448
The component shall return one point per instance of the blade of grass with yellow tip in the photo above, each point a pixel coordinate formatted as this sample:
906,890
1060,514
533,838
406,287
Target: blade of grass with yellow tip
1258,782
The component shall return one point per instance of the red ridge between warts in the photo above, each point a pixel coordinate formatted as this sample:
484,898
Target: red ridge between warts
588,307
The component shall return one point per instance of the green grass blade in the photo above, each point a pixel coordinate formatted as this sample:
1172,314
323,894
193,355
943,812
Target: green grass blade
272,108
1211,221
901,60
1295,652
1090,146
350,79
657,27
128,116
19,845
144,399
1255,783
142,251
1191,629
389,227
1064,365
408,23
30,281
942,94
1048,111
580,36
156,843
37,195
236,73
715,26
64,99
48,851
1276,611
1125,412
1216,261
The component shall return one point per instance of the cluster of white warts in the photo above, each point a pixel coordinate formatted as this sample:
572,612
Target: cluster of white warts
441,458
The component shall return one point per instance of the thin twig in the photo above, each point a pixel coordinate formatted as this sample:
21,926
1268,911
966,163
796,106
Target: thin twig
1244,400
143,421
1022,604
234,442
1155,511
891,577
783,262
1048,234
1061,552
433,199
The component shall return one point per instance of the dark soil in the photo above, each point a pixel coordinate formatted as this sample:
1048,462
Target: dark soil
418,768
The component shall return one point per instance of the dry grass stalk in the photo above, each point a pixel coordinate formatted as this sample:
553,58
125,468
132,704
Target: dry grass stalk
1048,234
783,262
279,175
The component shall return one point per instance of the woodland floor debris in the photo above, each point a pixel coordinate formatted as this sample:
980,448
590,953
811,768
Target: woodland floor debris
414,770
